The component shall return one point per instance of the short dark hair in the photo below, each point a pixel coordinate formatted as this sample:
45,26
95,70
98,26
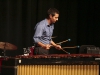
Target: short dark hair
52,11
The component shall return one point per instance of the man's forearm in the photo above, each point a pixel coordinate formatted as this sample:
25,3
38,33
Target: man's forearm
45,46
54,44
41,44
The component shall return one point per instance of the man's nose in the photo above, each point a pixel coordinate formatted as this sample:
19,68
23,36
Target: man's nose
57,19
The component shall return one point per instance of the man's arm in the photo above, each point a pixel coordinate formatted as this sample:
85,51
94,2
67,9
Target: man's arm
37,35
52,43
45,46
41,44
55,45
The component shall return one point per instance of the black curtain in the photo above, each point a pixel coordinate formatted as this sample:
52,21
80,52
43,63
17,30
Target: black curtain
88,22
78,21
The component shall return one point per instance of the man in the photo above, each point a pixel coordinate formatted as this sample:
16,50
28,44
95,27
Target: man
43,33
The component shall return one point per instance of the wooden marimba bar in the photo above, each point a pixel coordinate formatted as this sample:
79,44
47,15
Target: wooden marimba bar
70,64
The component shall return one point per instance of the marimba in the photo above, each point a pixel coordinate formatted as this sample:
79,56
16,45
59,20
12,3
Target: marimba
62,64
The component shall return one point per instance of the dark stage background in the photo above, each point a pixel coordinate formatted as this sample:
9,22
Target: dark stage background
78,21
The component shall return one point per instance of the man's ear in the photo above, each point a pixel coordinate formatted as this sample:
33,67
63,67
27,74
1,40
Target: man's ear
50,16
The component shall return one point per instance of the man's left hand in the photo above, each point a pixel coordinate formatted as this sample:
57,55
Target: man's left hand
58,47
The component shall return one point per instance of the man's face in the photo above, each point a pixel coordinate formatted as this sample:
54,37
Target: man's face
54,18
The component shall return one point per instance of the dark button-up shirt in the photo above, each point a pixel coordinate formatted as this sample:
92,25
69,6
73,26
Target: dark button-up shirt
43,32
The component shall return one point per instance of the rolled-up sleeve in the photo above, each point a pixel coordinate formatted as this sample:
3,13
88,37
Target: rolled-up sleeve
38,33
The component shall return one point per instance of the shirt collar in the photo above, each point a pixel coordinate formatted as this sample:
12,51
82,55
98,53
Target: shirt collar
46,22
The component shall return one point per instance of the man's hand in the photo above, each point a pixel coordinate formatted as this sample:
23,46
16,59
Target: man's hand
58,47
47,46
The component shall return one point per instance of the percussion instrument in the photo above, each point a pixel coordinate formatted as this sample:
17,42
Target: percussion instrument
7,46
55,64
